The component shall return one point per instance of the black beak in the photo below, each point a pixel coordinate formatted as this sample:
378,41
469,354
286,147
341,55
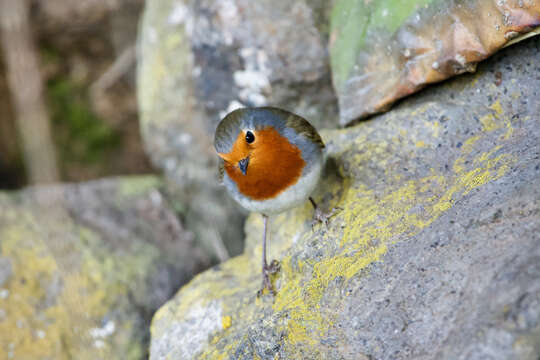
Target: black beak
243,165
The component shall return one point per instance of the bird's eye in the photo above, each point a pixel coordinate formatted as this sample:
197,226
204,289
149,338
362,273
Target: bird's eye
250,137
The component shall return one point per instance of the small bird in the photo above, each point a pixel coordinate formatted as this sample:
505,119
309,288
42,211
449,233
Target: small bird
270,161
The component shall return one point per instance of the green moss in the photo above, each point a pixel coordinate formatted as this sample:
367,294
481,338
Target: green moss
138,185
80,135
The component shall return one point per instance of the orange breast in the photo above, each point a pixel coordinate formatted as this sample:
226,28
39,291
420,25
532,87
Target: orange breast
274,165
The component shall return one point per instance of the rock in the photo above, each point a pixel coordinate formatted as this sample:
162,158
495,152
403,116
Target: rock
382,51
435,254
200,59
83,268
248,54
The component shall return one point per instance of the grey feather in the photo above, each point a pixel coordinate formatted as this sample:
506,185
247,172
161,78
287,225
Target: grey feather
285,122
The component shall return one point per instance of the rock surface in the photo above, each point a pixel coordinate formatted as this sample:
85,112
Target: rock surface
83,268
435,255
200,59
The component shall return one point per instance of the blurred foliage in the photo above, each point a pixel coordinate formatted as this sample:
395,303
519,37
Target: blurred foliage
80,135
12,172
95,134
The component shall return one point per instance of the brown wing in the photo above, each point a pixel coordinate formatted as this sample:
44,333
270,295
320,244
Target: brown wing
303,127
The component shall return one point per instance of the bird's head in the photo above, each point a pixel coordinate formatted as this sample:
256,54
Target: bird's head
262,149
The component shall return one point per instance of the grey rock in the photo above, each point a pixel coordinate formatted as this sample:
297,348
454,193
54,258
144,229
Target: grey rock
434,256
84,266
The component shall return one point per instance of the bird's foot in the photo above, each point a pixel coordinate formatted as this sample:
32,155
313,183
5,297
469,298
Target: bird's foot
274,267
268,270
320,217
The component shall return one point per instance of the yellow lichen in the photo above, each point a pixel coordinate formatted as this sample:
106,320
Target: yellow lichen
488,122
497,120
496,106
226,322
368,224
372,223
60,291
435,128
469,143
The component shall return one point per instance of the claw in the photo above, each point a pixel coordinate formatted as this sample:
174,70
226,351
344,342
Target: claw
268,270
274,267
320,217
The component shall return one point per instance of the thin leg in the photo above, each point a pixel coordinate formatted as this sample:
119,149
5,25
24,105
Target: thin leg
266,270
264,263
313,203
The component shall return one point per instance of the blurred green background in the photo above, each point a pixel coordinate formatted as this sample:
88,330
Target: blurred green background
85,61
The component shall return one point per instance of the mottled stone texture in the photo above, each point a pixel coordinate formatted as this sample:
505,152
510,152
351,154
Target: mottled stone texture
84,267
434,255
200,59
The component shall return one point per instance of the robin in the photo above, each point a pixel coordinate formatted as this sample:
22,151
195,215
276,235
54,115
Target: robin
270,161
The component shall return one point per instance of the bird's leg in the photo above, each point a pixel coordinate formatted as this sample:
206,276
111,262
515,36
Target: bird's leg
319,216
267,270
